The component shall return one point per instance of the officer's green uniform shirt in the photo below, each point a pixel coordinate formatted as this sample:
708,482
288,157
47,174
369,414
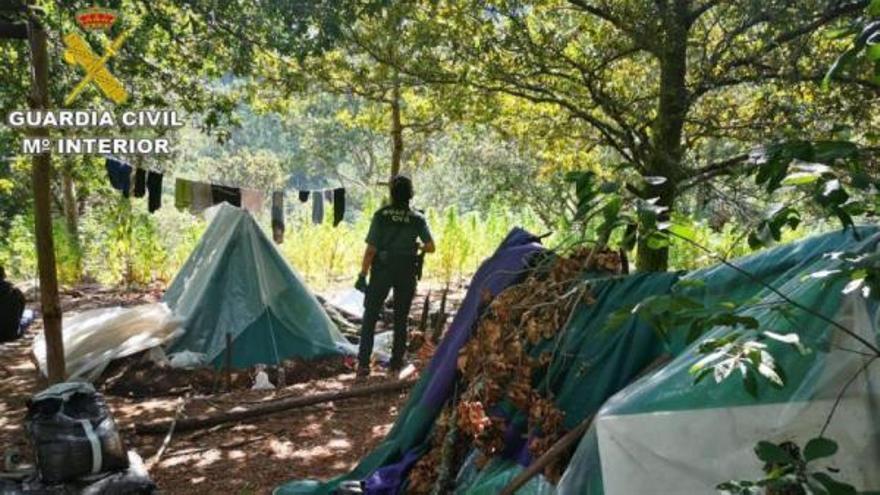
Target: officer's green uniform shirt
395,229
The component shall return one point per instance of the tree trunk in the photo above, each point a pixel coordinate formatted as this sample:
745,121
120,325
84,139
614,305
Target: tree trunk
41,175
666,158
71,212
396,130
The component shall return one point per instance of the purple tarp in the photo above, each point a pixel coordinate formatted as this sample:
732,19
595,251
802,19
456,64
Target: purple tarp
503,269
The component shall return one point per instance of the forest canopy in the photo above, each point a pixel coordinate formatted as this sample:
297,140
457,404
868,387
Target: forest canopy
597,121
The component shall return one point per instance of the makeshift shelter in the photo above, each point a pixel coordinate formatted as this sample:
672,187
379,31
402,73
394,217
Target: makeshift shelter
236,283
403,444
665,434
662,434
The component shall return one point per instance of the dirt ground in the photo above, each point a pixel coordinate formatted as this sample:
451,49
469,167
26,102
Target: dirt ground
318,442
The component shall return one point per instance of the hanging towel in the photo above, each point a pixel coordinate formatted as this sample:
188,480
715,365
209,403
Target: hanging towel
338,205
183,194
140,183
154,187
231,195
328,195
202,197
252,200
120,175
317,207
278,216
304,196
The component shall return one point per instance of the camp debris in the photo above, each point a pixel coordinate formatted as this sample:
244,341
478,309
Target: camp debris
94,338
534,356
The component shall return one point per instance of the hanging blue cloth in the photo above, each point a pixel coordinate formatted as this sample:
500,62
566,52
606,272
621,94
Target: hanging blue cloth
120,175
317,207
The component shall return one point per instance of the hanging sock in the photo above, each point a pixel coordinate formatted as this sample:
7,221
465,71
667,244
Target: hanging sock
304,196
328,195
154,187
252,200
317,207
338,205
120,175
203,197
231,195
140,183
278,216
183,194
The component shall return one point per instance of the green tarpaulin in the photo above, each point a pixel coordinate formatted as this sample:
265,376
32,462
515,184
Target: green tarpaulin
664,432
237,283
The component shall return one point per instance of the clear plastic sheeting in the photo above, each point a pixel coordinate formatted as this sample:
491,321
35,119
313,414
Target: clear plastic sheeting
351,301
92,339
187,360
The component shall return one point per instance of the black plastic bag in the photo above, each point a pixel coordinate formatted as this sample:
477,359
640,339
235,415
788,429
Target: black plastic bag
73,434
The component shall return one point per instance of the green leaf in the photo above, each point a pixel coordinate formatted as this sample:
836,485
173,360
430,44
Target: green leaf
828,151
768,371
772,453
837,67
751,386
617,319
657,240
683,231
833,486
874,8
799,179
703,373
791,339
818,448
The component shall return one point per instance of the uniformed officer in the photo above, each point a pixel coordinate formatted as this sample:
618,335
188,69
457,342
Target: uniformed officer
391,260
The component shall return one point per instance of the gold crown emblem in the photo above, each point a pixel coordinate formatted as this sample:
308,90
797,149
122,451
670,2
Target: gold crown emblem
96,18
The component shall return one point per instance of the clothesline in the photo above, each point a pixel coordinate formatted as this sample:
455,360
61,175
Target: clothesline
284,189
196,196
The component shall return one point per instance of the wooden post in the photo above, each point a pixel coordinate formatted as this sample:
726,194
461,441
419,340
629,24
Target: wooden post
41,179
228,362
441,317
426,310
539,464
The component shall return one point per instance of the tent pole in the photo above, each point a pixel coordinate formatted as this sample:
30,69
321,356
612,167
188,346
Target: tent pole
228,362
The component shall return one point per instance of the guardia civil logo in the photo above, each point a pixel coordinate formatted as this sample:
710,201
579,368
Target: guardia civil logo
79,53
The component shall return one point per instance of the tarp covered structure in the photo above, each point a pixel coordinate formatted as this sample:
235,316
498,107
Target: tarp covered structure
403,444
665,434
237,283
662,434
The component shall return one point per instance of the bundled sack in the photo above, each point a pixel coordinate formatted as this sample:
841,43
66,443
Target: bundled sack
73,434
134,481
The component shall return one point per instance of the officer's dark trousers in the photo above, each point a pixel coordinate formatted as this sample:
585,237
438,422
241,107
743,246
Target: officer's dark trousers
401,277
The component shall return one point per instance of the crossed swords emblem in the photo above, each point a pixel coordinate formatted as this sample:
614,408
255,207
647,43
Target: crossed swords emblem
78,53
